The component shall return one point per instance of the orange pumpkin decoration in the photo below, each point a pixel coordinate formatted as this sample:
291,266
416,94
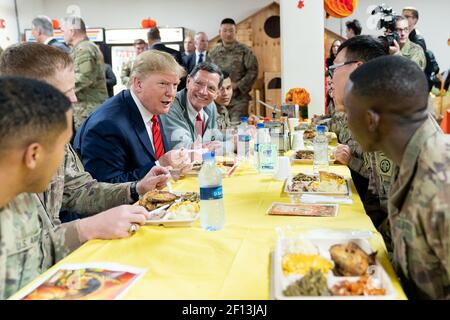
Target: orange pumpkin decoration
55,23
148,23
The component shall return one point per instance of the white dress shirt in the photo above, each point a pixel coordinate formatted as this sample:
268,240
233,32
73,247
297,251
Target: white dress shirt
197,56
146,117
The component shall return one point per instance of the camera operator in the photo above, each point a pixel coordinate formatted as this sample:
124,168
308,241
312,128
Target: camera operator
406,47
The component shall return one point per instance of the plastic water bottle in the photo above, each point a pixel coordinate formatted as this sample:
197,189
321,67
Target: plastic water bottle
243,147
267,152
212,212
320,145
258,137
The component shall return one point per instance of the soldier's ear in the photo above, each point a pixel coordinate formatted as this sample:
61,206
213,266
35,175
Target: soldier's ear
373,120
32,155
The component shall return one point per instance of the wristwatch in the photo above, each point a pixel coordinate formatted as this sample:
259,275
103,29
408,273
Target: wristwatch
133,192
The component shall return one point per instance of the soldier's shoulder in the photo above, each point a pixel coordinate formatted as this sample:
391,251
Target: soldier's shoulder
242,47
434,159
218,48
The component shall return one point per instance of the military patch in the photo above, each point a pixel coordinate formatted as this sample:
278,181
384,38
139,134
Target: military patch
384,164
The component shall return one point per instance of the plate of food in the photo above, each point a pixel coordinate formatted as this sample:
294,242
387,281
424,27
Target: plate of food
328,269
171,209
306,156
325,183
299,209
227,167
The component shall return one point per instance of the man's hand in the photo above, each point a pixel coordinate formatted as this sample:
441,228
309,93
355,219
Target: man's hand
177,159
343,153
114,223
395,49
156,178
213,145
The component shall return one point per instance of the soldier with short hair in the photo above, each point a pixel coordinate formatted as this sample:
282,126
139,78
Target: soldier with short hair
90,82
139,46
386,103
35,125
72,188
351,54
240,62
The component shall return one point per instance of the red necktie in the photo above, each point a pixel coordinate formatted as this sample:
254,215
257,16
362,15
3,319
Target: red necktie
157,138
199,118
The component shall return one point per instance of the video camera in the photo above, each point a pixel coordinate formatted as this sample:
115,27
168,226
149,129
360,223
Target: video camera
387,22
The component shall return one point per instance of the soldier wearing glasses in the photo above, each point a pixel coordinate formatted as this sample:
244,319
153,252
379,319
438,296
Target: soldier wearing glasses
406,47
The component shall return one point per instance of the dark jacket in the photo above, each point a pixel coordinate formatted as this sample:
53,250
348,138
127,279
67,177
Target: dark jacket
113,142
60,45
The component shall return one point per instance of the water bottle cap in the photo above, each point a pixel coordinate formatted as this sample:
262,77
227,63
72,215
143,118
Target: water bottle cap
244,119
208,156
320,129
260,125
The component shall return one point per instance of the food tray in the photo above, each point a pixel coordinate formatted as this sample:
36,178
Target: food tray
280,281
288,184
164,221
227,170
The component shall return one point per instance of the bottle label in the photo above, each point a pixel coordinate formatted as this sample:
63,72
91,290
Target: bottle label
211,193
244,137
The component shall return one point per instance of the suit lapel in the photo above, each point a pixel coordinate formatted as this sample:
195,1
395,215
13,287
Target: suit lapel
183,99
138,124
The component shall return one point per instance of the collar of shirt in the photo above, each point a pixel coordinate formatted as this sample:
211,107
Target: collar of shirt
193,113
145,114
48,40
197,56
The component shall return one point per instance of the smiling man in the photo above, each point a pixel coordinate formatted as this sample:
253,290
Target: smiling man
193,116
124,138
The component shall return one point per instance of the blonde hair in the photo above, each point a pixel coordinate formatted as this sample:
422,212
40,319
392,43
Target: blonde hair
153,61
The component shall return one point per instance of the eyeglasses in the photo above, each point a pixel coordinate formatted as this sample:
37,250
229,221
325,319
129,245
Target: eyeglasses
333,67
400,30
200,84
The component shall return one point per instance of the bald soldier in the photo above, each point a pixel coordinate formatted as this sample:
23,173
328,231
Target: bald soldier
386,103
240,62
90,82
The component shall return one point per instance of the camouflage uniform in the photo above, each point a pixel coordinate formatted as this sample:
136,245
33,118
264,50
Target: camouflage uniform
359,160
415,53
126,72
74,190
419,214
90,82
223,118
23,247
242,65
35,237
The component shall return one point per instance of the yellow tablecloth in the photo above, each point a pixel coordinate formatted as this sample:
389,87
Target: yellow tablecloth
234,263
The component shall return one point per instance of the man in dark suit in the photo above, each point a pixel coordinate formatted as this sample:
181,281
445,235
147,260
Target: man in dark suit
154,42
42,31
124,138
200,53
